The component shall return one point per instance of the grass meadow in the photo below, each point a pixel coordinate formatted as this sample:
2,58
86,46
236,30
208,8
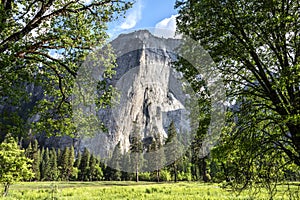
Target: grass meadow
132,190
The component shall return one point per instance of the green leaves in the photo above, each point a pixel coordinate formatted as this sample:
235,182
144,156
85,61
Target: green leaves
43,44
255,45
14,166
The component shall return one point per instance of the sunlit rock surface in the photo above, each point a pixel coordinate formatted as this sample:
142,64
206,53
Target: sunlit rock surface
151,93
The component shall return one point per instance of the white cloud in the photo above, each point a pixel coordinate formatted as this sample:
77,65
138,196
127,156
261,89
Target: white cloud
87,2
134,15
167,23
166,27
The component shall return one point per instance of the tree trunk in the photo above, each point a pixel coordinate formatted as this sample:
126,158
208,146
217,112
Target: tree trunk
137,173
175,173
225,172
157,174
195,171
204,170
199,172
295,136
6,187
295,132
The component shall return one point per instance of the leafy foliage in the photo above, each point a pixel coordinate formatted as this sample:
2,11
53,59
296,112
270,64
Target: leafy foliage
42,44
14,166
256,47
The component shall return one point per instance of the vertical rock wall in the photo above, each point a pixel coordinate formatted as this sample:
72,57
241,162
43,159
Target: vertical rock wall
151,94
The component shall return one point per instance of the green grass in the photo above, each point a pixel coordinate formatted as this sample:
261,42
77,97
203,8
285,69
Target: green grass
128,190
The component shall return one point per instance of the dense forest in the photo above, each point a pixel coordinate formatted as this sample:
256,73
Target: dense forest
63,165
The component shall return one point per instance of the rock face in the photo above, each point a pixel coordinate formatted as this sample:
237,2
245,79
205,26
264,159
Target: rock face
151,93
150,97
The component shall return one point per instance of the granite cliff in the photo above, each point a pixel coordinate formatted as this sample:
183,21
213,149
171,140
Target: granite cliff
150,96
151,93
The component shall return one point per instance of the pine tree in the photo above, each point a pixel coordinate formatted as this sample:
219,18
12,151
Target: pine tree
64,163
76,166
173,148
71,160
126,175
36,160
78,160
67,161
42,152
98,176
115,163
45,166
157,158
92,168
29,154
136,150
84,166
33,153
59,163
53,163
28,151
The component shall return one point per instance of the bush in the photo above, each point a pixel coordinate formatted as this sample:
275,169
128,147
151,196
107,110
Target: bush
145,176
207,178
184,176
165,175
74,175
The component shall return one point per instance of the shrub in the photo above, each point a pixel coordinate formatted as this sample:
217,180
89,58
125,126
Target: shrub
183,176
165,175
145,176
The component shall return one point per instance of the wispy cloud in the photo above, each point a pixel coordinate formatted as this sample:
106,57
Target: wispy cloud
134,15
166,27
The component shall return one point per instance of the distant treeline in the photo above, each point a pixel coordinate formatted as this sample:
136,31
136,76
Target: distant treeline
64,165
143,161
68,165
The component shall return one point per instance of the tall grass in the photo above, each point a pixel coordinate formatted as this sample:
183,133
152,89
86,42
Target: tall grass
132,190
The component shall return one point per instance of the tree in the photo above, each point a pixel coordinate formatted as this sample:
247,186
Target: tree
98,173
14,166
256,47
93,168
45,167
156,156
258,54
71,161
84,166
36,159
136,150
64,165
200,103
78,160
59,162
115,163
44,42
126,173
54,173
173,148
77,165
67,162
33,153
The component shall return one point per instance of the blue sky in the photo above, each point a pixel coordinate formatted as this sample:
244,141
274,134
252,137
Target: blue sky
146,14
